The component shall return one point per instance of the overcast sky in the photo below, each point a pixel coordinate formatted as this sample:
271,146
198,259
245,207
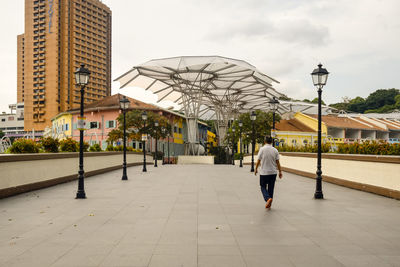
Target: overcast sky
358,41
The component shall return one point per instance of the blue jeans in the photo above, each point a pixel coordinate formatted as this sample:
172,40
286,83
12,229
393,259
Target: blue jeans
267,184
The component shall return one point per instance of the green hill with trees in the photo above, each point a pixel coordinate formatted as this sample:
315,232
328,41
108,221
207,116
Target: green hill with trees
380,101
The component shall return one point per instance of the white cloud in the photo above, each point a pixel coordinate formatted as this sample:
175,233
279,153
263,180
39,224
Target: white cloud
357,41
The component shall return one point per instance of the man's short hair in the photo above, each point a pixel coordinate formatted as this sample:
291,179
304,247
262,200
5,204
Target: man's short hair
268,139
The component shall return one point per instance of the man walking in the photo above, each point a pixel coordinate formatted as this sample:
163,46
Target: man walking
268,158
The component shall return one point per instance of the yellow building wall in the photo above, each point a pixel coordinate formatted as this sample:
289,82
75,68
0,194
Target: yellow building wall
310,122
212,138
178,137
59,124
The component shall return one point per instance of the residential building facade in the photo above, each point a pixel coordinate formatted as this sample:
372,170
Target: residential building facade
301,129
12,124
101,118
59,36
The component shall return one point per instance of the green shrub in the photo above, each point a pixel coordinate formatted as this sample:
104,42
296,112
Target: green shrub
119,148
370,147
95,148
110,147
325,148
50,144
160,155
221,155
238,156
23,145
85,146
69,145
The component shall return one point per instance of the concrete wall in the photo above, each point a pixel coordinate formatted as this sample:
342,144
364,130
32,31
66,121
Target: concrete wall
21,173
365,134
336,132
371,173
353,134
196,160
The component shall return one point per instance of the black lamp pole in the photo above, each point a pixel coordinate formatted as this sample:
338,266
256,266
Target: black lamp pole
240,141
253,144
274,106
155,130
168,148
144,117
124,104
233,146
163,151
319,76
82,78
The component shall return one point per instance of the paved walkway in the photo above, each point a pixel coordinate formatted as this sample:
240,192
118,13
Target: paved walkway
197,215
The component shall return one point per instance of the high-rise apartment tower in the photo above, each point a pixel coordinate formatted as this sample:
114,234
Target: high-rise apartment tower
59,36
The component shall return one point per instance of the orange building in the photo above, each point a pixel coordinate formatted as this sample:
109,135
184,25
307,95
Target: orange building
59,36
20,68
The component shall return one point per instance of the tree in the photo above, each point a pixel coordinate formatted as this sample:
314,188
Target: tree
135,129
381,98
262,126
315,101
1,134
340,106
357,105
397,99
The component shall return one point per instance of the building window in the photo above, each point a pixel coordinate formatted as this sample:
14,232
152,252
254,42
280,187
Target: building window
94,125
110,124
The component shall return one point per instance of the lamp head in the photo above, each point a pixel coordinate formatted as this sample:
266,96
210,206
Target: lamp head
82,75
144,115
124,103
319,76
253,116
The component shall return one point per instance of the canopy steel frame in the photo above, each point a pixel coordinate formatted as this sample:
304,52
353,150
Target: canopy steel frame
202,84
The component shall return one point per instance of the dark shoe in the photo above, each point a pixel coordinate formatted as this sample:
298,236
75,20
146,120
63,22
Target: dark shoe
268,204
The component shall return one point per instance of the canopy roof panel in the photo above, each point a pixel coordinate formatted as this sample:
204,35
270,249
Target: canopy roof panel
216,77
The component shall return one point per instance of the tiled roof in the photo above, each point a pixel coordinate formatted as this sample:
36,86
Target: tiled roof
347,123
392,125
292,125
113,102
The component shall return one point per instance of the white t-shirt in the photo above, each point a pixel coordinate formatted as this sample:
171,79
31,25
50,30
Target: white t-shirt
268,155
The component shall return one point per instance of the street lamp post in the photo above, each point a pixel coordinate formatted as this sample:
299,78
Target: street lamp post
168,148
124,105
253,117
233,145
155,130
163,151
240,142
144,118
274,106
81,78
319,77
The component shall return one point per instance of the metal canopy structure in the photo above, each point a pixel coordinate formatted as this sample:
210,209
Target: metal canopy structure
289,106
201,83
